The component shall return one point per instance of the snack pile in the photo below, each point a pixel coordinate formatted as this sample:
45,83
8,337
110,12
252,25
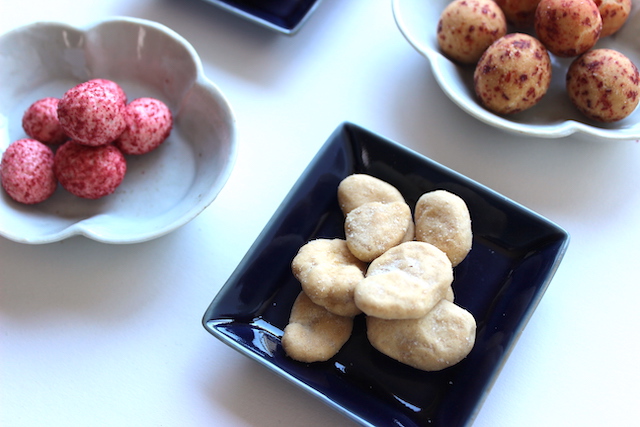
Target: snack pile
513,69
393,267
91,128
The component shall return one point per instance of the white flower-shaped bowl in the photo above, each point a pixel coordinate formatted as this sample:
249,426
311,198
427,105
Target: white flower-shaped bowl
554,116
162,190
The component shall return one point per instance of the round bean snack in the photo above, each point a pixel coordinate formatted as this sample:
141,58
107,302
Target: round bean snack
27,171
313,333
568,27
373,228
519,13
614,14
149,123
403,286
443,219
358,189
468,27
92,113
604,85
40,121
329,273
405,282
89,172
436,341
121,95
513,74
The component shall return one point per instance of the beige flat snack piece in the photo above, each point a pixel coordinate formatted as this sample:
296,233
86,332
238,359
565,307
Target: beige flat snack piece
329,273
411,232
406,282
373,228
358,189
313,333
442,338
449,296
442,219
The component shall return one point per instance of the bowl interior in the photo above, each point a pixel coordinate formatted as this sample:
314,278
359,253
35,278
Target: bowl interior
162,189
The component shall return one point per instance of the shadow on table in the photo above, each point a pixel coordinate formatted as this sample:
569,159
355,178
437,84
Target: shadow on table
79,278
251,393
236,45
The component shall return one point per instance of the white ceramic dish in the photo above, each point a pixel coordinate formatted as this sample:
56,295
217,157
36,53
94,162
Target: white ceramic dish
554,116
162,190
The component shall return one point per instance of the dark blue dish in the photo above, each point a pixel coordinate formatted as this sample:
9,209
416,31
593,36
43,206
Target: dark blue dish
285,16
514,256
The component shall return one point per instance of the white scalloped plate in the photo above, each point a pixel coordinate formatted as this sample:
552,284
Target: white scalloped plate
554,116
162,190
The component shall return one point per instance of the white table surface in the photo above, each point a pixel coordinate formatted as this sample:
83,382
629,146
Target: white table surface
96,334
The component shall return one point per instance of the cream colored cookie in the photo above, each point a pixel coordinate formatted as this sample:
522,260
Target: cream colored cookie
358,189
442,338
449,296
411,232
373,228
328,273
313,333
442,219
406,282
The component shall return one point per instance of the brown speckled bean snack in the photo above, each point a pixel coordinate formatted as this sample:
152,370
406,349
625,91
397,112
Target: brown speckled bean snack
519,13
568,28
614,14
604,85
513,74
467,27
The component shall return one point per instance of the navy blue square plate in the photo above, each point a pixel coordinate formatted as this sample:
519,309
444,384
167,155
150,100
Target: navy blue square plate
514,256
284,16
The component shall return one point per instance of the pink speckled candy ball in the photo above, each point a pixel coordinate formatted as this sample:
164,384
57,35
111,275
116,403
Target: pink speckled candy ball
467,27
89,172
40,122
604,85
568,28
513,74
27,171
149,123
112,86
92,113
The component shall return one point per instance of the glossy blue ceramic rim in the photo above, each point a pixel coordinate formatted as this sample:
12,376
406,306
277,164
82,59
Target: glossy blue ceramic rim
286,16
514,257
